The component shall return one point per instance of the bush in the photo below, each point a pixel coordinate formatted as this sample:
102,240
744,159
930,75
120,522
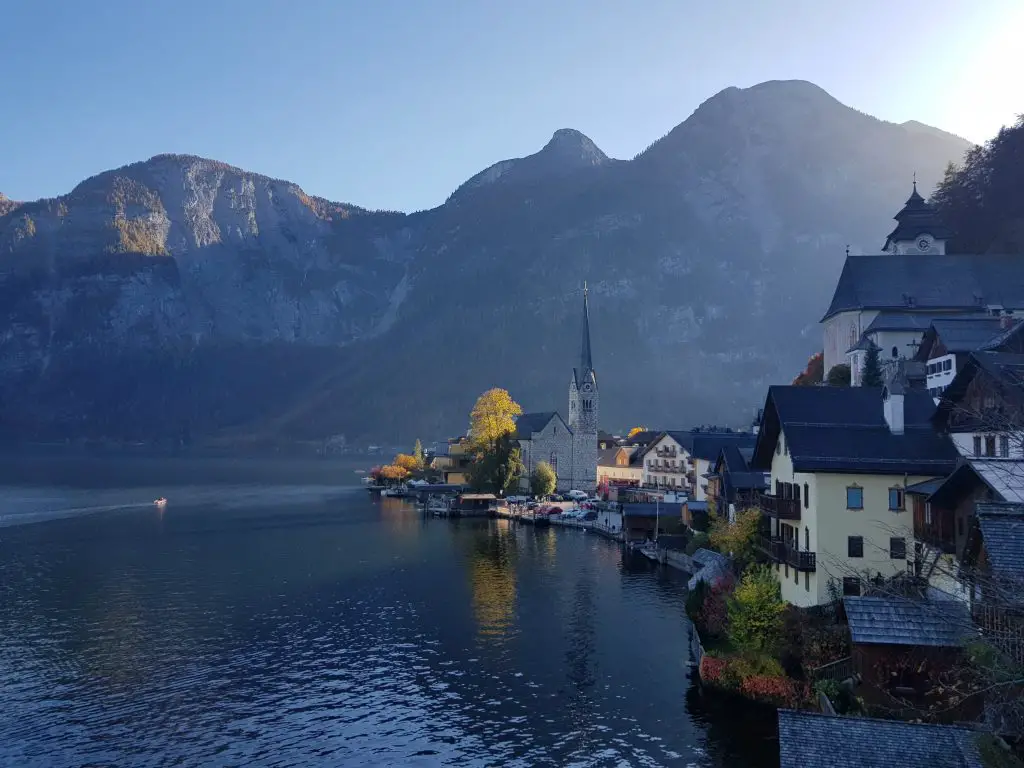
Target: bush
695,600
700,540
738,539
777,690
755,611
713,619
711,669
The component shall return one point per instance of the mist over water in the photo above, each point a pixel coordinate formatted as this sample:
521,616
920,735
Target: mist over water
302,623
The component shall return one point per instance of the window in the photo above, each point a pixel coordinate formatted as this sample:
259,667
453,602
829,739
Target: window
947,365
854,497
554,430
807,581
807,538
778,446
897,549
787,570
796,576
1004,446
855,546
895,353
796,494
553,461
807,496
851,586
928,513
977,445
990,445
897,500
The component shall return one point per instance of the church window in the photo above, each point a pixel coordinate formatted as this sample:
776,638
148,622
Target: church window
554,461
895,352
853,334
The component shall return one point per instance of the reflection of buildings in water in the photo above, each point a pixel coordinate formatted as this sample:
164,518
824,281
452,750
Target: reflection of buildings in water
580,657
549,547
492,579
400,516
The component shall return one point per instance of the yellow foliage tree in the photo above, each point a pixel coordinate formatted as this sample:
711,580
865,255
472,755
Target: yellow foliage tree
739,538
636,431
393,473
493,415
409,463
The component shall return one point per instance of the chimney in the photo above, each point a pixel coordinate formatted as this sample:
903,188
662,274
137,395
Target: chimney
892,405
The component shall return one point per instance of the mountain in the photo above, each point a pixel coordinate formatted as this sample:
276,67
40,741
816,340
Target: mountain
6,204
183,297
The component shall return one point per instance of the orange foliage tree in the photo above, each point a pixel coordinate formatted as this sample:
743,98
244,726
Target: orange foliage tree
814,373
409,463
393,473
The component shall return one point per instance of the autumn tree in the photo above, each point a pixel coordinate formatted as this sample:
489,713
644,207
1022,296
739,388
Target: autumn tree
393,473
498,469
493,415
739,539
635,431
417,452
872,376
755,611
409,463
543,480
838,376
814,373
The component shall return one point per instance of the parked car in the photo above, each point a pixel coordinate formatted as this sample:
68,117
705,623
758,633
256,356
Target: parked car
591,515
575,495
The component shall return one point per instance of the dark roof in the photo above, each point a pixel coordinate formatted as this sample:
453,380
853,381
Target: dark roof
528,423
647,509
1004,369
644,438
696,506
901,321
812,740
863,345
843,429
606,437
925,488
736,468
606,456
966,334
1002,528
899,621
707,445
917,217
929,282
1010,340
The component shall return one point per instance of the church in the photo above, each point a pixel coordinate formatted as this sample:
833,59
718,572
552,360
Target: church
569,446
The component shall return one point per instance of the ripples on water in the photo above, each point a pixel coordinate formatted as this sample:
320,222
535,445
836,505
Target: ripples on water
308,625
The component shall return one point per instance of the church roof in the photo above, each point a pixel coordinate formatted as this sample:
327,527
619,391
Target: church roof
918,217
528,423
929,282
586,364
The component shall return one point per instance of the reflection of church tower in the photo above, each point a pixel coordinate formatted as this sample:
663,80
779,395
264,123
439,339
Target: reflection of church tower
583,403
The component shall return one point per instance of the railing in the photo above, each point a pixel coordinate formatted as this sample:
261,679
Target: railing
696,648
666,452
778,507
839,670
779,551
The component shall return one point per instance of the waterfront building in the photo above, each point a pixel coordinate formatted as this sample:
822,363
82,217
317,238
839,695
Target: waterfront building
619,465
681,460
569,445
841,459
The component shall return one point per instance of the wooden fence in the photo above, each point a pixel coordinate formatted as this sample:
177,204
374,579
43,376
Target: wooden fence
838,670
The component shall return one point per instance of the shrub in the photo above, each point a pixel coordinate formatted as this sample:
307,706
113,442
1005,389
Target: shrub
711,669
695,599
713,619
755,611
700,540
774,689
738,539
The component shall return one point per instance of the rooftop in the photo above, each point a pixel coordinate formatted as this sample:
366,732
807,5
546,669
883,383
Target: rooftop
1002,528
528,423
901,621
812,740
926,283
843,429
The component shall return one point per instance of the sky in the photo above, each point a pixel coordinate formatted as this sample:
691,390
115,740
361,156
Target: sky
393,103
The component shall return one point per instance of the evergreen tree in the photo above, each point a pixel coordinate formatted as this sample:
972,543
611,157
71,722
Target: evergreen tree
417,453
872,374
838,376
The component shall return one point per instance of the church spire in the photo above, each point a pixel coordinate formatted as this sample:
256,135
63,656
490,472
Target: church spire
586,364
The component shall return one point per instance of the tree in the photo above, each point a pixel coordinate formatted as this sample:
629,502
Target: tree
838,376
872,375
499,468
814,373
417,452
392,473
409,463
982,200
493,415
543,479
755,611
740,539
635,431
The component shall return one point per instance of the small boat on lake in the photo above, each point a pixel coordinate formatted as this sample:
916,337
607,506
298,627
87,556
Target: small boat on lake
160,503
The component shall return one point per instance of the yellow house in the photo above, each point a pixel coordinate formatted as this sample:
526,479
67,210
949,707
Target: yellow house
619,465
836,511
454,464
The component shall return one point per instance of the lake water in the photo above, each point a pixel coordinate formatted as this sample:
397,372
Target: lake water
275,615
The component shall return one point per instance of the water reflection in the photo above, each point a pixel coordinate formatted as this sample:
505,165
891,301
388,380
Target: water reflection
401,517
492,577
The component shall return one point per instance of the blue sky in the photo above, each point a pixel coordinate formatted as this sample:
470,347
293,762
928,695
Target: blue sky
393,103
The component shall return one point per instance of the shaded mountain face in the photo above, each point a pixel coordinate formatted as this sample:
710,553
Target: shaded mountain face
183,297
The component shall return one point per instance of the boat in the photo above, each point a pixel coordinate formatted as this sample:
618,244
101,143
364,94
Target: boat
161,502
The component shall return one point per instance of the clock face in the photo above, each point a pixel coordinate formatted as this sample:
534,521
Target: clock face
923,244
586,387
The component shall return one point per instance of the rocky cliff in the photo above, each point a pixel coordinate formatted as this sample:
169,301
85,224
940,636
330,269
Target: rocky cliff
181,296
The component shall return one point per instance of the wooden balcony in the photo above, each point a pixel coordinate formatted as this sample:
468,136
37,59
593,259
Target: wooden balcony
780,508
780,552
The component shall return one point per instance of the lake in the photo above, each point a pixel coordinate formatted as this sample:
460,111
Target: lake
274,614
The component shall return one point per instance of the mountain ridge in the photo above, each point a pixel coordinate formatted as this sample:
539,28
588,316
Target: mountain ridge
239,299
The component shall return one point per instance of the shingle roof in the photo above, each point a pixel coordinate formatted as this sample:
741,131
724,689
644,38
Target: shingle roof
929,282
843,429
901,321
707,445
917,217
643,438
1008,340
812,740
1002,529
966,334
529,423
925,488
606,456
647,509
1004,369
885,620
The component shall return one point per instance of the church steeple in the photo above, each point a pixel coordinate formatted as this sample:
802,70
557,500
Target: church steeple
586,364
919,228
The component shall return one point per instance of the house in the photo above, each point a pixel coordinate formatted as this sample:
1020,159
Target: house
731,484
900,645
569,445
606,440
840,460
642,521
812,740
915,277
619,465
453,461
680,460
642,439
947,343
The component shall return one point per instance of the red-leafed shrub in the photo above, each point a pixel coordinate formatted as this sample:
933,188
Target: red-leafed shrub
711,669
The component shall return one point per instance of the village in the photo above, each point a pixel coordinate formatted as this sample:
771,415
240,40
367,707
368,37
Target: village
856,555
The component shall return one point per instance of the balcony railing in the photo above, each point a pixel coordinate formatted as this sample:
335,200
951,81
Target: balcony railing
780,508
666,452
781,552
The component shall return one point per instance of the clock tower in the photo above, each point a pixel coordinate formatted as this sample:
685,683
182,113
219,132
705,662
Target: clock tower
583,405
919,229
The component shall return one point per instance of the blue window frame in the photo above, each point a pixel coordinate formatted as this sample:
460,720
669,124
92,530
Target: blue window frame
854,497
